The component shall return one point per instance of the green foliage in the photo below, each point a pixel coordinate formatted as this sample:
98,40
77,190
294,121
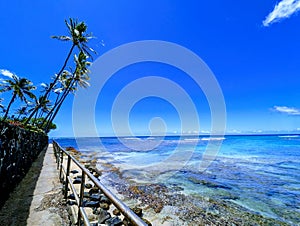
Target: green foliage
78,35
37,127
39,124
38,113
20,87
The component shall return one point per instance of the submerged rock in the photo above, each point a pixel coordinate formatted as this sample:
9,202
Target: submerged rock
90,214
116,212
208,183
72,150
86,195
94,190
158,206
103,216
71,196
104,206
74,171
138,211
71,202
88,186
91,204
104,199
126,222
95,197
114,221
77,181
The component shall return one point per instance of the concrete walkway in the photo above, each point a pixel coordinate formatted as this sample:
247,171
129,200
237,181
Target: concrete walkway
37,200
47,189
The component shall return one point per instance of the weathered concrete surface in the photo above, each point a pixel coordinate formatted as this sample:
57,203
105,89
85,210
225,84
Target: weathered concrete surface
37,200
48,188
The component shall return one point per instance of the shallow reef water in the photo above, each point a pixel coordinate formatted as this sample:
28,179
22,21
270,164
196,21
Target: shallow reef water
254,180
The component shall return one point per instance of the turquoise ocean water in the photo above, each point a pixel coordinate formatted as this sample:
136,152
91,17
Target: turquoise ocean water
259,173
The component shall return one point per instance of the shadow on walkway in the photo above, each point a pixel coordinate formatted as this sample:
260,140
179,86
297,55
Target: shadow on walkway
15,211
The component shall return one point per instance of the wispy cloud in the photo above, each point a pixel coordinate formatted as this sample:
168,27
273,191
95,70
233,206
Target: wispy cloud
234,131
6,73
283,9
286,110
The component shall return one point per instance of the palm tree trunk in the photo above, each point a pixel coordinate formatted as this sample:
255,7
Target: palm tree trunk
55,113
19,116
72,83
35,117
59,73
31,115
9,105
41,114
52,84
48,116
51,111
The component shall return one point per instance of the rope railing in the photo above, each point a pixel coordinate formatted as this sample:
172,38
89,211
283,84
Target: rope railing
64,176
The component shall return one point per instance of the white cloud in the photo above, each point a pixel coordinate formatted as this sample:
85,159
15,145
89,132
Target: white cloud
6,73
287,110
283,9
234,131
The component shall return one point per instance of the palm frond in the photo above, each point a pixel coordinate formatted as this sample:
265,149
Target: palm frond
61,37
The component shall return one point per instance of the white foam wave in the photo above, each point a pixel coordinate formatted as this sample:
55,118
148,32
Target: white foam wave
289,136
131,138
213,138
191,139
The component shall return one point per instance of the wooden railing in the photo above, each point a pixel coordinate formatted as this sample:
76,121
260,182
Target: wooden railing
64,176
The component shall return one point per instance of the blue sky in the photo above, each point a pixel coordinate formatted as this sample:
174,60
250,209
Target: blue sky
252,47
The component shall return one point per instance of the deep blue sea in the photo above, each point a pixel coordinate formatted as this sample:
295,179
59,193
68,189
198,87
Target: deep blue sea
259,173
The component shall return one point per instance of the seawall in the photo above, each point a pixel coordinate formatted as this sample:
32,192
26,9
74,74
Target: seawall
18,150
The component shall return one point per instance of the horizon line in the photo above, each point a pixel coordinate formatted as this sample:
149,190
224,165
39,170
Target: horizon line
178,135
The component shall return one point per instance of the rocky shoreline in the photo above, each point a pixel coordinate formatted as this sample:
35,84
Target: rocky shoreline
167,205
99,209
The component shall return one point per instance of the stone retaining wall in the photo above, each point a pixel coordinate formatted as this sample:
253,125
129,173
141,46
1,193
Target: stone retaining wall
18,149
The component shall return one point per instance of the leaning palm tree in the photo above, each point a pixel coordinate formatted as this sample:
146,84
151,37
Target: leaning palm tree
60,88
43,104
1,105
46,106
21,88
79,37
22,111
79,77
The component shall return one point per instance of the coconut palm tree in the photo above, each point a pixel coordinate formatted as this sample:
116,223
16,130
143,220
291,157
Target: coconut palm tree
46,106
79,77
22,111
61,86
43,104
79,37
20,87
